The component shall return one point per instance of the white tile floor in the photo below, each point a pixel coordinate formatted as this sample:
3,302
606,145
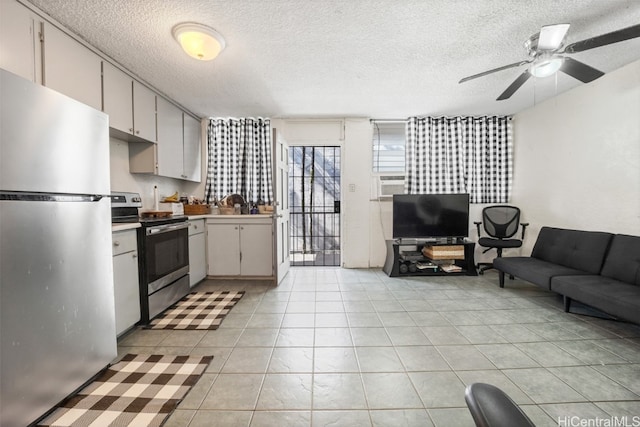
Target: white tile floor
340,347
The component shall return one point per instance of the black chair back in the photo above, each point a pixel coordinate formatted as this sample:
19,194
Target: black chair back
501,221
491,407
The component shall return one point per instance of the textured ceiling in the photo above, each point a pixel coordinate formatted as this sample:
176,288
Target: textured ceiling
357,58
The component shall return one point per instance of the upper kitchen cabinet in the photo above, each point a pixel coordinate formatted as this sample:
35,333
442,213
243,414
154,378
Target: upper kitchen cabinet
71,68
179,146
177,153
192,148
20,48
170,130
130,105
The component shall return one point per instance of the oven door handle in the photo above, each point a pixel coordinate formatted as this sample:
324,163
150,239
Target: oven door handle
159,229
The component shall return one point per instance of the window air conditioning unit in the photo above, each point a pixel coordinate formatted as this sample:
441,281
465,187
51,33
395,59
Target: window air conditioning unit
389,185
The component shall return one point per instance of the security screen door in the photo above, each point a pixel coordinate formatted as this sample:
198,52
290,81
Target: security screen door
314,203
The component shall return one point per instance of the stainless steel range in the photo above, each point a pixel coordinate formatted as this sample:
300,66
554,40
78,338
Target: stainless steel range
163,245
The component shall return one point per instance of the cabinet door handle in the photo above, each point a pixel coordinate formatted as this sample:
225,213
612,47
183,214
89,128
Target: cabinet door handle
116,243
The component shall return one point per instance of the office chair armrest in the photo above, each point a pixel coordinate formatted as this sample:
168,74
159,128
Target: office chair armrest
477,223
524,227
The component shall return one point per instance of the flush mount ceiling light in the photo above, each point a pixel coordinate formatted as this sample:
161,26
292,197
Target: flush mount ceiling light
199,41
545,67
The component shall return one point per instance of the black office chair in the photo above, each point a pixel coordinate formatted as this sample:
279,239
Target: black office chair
500,222
491,407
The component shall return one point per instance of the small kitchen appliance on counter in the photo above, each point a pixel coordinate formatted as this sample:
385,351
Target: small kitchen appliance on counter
163,246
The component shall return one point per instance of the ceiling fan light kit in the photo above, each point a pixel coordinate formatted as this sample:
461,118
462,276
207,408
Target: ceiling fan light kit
199,41
545,49
546,67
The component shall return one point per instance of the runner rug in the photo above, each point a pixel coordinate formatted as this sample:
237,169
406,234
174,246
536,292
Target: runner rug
139,390
198,310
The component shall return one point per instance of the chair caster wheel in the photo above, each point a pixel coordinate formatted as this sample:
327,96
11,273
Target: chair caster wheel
481,272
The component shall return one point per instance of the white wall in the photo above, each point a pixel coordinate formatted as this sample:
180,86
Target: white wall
577,158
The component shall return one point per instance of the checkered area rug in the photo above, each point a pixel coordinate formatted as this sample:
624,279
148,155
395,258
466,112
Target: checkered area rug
136,391
198,310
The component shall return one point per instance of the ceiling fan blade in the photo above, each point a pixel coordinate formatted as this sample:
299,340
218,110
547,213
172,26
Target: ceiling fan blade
552,36
514,86
579,70
604,39
505,67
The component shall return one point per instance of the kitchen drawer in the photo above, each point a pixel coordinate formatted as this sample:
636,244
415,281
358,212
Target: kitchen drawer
196,226
125,241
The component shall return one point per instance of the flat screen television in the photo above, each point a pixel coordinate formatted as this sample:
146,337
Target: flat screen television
427,216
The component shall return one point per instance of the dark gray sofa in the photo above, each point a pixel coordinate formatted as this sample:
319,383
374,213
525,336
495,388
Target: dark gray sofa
596,268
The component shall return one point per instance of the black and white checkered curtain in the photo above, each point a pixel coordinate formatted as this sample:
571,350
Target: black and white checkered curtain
239,160
460,155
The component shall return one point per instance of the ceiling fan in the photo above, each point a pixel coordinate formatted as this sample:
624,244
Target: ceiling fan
547,56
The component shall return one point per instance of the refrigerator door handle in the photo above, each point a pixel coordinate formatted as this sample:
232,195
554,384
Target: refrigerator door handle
26,196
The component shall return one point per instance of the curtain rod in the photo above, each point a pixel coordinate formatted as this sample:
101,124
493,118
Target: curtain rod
439,117
472,117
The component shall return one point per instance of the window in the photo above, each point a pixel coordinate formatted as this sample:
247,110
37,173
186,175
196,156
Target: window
388,146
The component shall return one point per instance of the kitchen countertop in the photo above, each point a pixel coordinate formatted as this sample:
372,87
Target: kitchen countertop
133,225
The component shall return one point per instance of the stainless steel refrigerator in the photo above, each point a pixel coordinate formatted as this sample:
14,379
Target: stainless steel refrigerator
57,321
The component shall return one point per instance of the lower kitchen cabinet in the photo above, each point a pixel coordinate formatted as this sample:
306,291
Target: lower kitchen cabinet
197,252
125,278
238,246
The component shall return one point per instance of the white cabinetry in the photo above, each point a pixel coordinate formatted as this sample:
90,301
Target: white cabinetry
71,68
38,51
178,143
20,49
177,153
169,140
130,105
125,277
238,246
197,252
192,148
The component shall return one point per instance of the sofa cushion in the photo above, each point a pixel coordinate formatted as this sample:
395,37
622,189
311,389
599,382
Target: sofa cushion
604,293
533,270
579,250
623,259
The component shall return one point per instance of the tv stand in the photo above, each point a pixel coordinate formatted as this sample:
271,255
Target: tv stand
431,241
405,258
